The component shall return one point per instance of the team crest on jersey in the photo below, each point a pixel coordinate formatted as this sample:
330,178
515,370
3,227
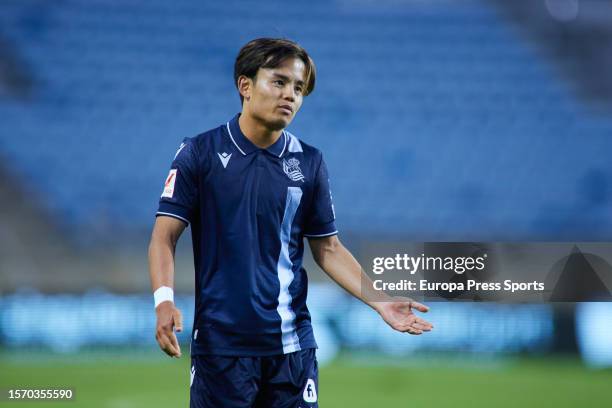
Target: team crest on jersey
291,168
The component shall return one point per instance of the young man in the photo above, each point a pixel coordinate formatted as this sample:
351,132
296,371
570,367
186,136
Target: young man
251,191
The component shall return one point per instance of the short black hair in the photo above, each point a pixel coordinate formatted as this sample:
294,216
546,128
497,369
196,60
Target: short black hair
270,53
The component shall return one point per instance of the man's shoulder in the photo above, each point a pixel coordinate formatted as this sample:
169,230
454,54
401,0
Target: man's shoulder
209,135
205,141
297,145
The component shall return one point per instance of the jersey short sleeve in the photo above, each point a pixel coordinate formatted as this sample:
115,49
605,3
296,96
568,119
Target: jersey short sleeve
320,222
180,194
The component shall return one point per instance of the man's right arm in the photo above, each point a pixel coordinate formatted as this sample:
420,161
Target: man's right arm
166,233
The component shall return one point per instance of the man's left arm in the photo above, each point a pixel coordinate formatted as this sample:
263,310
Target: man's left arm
343,268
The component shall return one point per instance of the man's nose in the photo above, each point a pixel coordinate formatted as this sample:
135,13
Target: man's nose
289,93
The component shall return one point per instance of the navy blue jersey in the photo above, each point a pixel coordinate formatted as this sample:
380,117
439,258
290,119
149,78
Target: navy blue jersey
249,209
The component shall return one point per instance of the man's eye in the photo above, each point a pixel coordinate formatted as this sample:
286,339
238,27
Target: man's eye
278,82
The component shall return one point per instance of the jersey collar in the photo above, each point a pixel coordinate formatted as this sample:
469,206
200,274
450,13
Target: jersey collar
245,146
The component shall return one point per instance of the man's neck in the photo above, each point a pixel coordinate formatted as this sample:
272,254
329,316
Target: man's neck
256,132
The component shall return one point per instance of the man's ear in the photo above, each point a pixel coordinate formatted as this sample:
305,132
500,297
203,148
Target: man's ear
245,86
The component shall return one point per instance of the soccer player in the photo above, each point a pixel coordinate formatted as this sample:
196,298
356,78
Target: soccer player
251,192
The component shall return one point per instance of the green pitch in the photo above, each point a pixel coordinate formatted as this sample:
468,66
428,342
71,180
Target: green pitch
154,381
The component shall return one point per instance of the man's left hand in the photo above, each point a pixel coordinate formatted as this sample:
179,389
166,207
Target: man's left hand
400,316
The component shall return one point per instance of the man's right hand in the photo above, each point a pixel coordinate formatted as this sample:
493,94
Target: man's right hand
169,318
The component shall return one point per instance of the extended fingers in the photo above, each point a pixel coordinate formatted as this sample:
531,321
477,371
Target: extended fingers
422,327
419,306
408,328
414,325
423,323
178,320
168,342
413,330
169,345
175,348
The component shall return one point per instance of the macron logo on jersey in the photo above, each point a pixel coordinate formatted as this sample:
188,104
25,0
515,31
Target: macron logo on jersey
224,158
169,184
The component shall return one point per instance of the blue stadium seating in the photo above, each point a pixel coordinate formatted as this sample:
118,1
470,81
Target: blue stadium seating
438,121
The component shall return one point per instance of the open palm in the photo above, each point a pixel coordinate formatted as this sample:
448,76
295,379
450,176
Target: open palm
400,316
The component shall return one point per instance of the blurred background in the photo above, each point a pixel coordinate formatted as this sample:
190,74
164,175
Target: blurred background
440,120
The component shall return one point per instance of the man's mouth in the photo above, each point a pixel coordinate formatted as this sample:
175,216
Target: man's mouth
286,108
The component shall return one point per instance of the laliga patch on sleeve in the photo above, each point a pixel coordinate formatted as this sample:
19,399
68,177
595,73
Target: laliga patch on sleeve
169,185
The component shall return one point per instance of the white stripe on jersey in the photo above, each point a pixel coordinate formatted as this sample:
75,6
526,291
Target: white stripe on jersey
290,339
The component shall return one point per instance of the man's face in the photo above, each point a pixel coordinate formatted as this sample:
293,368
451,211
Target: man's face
277,93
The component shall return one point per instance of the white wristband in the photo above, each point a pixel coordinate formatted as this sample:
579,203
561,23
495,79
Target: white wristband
163,294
